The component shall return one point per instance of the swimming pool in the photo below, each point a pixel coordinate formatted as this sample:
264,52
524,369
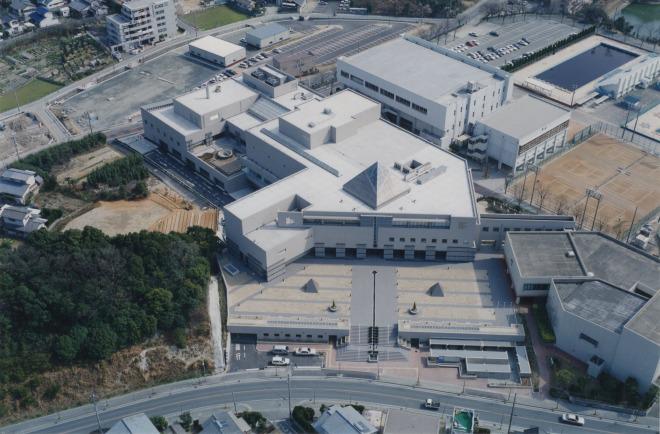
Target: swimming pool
585,67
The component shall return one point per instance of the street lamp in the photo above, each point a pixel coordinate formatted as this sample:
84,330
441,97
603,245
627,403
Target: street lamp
373,331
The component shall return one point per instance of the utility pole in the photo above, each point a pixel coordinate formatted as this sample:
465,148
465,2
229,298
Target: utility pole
631,225
288,385
96,410
513,406
534,168
233,398
598,196
13,138
89,123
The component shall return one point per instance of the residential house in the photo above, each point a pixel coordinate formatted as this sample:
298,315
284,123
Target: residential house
16,185
20,221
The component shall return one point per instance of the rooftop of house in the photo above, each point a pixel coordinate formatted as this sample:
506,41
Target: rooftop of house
215,46
267,31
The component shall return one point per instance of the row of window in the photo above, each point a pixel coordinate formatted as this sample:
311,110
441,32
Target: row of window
423,240
536,287
287,335
542,138
496,229
384,92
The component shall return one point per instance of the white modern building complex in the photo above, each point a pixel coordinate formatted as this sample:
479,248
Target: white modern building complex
343,180
141,22
267,35
642,71
190,125
524,131
217,51
427,89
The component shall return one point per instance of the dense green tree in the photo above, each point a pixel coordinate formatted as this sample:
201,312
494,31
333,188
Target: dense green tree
186,420
159,422
79,296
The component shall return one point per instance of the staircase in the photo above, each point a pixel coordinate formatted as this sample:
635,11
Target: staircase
360,339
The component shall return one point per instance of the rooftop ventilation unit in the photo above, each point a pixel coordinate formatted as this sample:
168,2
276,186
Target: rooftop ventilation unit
327,111
570,254
472,86
311,124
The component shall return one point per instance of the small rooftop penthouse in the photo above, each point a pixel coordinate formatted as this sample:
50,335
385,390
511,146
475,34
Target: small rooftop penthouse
337,176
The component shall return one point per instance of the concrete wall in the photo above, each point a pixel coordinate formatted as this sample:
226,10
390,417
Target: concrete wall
494,227
229,59
268,41
628,363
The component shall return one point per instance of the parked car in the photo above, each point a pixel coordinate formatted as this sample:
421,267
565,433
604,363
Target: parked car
473,34
281,350
493,33
432,404
305,351
280,361
572,419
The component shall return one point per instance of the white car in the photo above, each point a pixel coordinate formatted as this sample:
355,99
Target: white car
572,419
305,351
280,361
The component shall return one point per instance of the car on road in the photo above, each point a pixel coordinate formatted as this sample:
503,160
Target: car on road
280,361
230,73
305,351
432,404
494,33
473,34
277,51
572,419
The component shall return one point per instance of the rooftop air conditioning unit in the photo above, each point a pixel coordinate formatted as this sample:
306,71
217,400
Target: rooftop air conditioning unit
570,254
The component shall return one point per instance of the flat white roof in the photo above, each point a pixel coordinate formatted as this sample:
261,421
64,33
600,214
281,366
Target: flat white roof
420,70
216,46
525,116
448,193
220,95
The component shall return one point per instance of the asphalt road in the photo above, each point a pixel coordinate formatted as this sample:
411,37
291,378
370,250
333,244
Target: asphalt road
259,393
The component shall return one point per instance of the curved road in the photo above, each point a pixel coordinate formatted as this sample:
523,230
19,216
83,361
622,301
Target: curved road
266,392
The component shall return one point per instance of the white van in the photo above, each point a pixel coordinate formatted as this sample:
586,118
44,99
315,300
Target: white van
280,349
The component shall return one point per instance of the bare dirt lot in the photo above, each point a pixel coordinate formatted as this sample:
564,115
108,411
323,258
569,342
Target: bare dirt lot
29,133
626,176
80,166
163,211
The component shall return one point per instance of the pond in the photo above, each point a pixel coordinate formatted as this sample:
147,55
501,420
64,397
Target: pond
643,16
585,67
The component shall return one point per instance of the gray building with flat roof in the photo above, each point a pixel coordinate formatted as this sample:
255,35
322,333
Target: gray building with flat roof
524,131
265,36
425,88
603,298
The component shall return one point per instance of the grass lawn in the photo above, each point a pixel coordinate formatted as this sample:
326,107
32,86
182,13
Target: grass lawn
31,91
214,17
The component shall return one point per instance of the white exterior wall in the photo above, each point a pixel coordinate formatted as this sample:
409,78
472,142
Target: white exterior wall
568,327
623,80
226,60
628,363
268,41
444,120
518,281
147,25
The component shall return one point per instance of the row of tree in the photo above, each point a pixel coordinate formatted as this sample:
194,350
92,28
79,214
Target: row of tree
43,162
119,172
410,8
79,296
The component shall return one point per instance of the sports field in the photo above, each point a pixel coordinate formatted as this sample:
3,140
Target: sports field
207,19
625,176
31,91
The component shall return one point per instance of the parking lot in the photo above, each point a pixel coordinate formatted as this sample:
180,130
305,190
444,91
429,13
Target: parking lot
118,100
245,355
499,44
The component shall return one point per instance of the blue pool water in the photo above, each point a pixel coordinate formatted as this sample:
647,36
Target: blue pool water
585,67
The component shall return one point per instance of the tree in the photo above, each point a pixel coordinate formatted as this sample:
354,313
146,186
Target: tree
303,417
631,391
186,420
256,420
159,422
65,349
565,377
102,342
543,193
